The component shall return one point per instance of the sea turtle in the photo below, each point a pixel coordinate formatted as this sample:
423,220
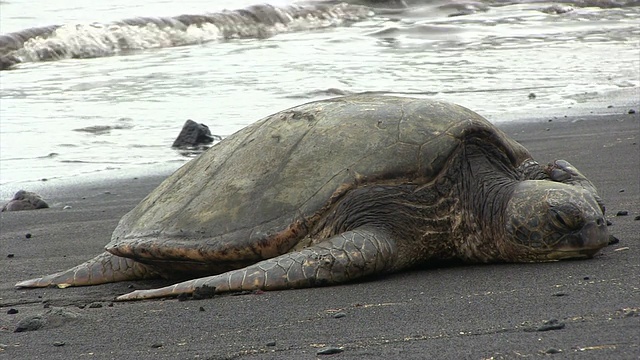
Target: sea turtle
335,190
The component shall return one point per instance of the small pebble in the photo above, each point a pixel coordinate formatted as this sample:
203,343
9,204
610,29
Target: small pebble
95,305
11,255
66,207
560,294
12,311
622,213
156,345
553,351
609,223
59,343
110,304
552,324
329,350
631,111
201,308
609,107
339,315
30,324
621,190
28,235
271,343
585,278
532,96
635,218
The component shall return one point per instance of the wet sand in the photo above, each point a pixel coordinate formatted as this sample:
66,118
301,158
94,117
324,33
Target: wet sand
459,312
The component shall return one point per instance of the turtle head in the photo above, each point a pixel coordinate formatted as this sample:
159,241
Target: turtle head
548,220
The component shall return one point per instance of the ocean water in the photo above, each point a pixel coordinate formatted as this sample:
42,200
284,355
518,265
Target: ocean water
103,88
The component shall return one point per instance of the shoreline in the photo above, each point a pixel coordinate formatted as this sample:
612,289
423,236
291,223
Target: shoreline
471,311
595,105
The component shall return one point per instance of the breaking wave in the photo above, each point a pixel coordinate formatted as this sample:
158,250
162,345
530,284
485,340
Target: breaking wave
97,40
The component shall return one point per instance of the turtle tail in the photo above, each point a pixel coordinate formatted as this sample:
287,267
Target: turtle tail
104,268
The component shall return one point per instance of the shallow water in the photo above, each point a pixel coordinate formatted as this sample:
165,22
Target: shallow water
118,105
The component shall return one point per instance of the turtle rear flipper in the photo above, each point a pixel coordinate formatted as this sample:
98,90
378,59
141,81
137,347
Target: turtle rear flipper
344,257
104,268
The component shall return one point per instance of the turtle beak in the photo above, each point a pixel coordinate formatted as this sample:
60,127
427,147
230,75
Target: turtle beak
584,243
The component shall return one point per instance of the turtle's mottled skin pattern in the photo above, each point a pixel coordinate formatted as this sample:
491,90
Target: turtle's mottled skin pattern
335,190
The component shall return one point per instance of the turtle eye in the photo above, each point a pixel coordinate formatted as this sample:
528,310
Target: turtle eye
565,220
561,219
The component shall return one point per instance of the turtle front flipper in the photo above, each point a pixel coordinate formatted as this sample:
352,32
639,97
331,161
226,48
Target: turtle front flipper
344,257
104,268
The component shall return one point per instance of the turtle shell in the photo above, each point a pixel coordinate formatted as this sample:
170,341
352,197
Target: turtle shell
255,194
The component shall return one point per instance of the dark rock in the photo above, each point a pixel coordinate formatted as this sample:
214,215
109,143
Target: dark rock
271,343
28,235
339,315
12,255
637,217
25,200
613,240
609,223
193,135
621,190
156,345
585,278
201,308
553,351
12,311
59,343
204,292
560,294
532,96
622,213
631,111
329,350
552,324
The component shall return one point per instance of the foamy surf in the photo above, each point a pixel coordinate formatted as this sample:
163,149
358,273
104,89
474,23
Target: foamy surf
98,40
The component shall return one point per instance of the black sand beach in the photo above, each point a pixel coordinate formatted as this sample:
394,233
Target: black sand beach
591,307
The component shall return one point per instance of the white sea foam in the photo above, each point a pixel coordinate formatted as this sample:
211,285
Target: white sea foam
262,21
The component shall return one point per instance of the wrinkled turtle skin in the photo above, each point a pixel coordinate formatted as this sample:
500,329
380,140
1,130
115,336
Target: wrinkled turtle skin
335,190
